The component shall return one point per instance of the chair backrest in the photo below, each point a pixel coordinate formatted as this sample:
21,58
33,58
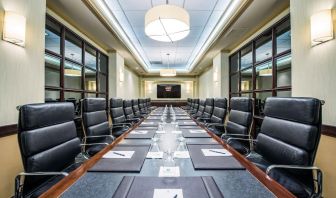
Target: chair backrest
240,117
117,111
142,106
219,110
201,107
192,104
290,131
209,105
188,102
135,107
94,117
196,105
47,138
128,110
149,105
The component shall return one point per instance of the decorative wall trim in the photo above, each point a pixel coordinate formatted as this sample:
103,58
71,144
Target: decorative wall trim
8,130
329,130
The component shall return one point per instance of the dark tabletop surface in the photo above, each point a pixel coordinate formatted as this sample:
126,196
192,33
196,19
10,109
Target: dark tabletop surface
232,183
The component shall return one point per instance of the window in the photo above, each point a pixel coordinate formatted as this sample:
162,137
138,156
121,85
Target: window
262,68
75,71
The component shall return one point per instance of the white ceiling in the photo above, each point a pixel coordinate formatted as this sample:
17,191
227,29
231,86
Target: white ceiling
204,16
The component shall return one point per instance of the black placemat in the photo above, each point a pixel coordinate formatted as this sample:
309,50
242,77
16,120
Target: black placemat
150,134
187,134
143,187
134,164
201,141
201,162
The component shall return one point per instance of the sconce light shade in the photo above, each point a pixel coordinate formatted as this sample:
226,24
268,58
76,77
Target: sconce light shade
14,28
321,27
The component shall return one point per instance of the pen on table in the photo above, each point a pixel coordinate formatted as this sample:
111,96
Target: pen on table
217,152
175,196
118,154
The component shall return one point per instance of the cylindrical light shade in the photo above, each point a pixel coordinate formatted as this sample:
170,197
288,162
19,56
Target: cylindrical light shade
14,28
167,72
321,26
167,23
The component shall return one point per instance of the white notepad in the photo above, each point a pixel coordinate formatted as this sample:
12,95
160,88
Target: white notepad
168,193
189,122
173,171
160,131
154,155
216,152
139,132
181,154
197,131
177,132
119,154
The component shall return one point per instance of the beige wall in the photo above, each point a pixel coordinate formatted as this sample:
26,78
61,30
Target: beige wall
129,88
313,75
21,81
214,82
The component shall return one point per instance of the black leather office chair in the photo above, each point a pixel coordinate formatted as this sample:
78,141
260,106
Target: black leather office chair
128,110
201,107
187,107
136,110
218,114
118,117
208,109
97,132
287,143
239,124
192,104
142,106
48,144
147,105
194,108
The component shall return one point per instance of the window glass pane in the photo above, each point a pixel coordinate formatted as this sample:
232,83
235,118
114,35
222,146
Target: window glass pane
52,70
103,63
264,76
102,96
73,47
264,47
90,57
72,75
260,101
283,37
73,97
52,36
284,93
90,95
234,83
249,95
52,96
246,57
284,71
102,83
246,80
234,63
90,80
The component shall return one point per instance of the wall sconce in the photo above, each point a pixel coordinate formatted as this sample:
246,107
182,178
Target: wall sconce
121,75
321,27
14,30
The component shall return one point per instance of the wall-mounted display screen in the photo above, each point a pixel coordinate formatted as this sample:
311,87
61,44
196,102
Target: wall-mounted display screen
168,91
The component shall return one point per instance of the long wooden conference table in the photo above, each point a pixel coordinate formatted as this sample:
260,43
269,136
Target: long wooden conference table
141,175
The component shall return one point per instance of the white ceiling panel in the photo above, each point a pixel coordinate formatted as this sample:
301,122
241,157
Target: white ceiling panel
204,15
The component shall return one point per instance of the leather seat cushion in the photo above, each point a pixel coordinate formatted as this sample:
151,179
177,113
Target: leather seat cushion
241,147
118,131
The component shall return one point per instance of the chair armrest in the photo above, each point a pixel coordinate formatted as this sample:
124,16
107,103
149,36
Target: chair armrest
99,136
215,124
251,141
235,135
19,183
92,144
317,178
122,124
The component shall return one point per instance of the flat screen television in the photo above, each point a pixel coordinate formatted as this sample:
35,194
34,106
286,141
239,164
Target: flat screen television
168,91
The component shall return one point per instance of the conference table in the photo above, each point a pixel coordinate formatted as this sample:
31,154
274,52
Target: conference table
184,163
